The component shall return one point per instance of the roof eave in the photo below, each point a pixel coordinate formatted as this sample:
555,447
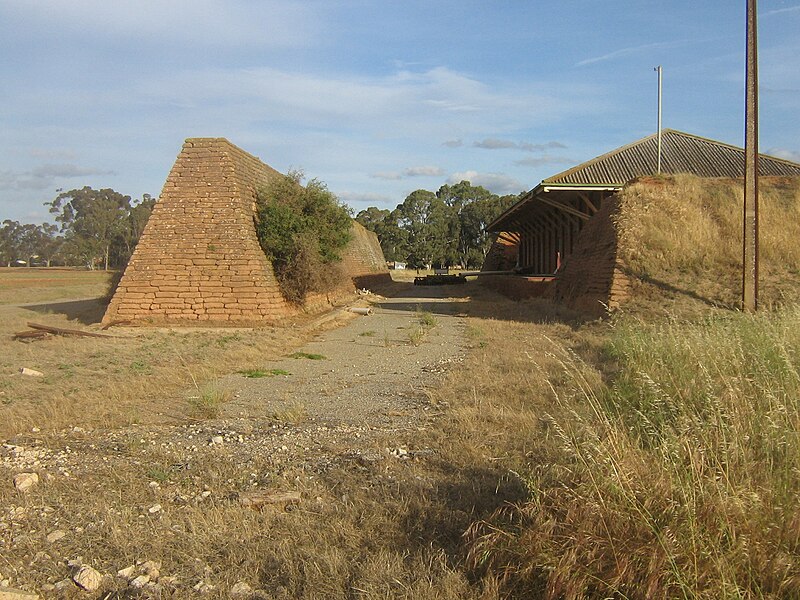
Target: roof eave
580,187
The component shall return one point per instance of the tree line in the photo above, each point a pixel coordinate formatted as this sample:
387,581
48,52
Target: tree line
446,228
100,228
94,228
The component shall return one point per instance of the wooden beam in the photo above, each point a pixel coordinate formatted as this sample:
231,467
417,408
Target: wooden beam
565,208
589,204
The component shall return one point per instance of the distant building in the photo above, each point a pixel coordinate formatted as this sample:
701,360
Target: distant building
538,234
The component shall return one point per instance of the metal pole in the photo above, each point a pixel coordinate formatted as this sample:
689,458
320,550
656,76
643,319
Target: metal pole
660,71
750,237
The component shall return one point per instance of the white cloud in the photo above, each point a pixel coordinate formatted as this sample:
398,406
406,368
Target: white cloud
400,105
205,22
423,171
426,171
44,176
495,144
792,155
498,183
779,11
630,51
499,144
352,198
453,143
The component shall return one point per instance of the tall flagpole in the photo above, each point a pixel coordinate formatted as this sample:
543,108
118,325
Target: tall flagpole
660,73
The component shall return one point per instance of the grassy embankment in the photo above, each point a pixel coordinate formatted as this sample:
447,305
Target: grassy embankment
663,460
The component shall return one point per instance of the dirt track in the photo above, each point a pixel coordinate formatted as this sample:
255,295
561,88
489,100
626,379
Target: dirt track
360,408
375,368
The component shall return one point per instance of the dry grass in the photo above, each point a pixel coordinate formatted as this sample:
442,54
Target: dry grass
684,233
624,459
22,285
142,376
677,478
386,529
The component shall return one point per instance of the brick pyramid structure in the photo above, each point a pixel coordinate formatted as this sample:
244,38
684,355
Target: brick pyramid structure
199,260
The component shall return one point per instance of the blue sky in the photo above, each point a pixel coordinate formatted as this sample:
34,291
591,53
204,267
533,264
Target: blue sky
376,99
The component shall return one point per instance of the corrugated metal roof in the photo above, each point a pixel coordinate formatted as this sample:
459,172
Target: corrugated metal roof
680,153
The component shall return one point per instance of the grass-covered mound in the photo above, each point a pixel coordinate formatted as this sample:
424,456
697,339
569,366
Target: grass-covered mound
680,238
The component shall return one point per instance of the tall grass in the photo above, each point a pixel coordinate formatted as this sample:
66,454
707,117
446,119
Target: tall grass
679,479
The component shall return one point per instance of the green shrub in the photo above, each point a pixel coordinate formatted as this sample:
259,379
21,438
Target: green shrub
302,231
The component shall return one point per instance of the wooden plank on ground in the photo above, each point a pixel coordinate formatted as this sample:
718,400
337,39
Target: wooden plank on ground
62,331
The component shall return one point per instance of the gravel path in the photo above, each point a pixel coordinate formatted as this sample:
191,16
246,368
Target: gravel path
375,368
367,391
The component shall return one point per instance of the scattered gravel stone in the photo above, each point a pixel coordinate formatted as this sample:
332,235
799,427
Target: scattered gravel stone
25,481
201,587
88,578
151,569
217,439
127,572
140,581
156,508
56,535
241,590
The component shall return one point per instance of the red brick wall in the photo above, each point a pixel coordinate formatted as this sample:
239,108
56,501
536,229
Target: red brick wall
363,261
591,279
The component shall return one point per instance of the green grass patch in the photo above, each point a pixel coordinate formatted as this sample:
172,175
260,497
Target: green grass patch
258,373
427,320
308,355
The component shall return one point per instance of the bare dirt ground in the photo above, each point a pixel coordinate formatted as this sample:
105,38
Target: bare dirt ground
354,399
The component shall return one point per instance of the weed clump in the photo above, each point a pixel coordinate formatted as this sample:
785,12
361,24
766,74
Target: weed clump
308,355
425,322
208,402
258,373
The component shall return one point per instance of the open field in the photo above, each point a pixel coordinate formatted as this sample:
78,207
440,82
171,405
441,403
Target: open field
555,458
19,285
139,375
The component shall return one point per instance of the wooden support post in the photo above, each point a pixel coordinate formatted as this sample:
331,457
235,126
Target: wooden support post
750,250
